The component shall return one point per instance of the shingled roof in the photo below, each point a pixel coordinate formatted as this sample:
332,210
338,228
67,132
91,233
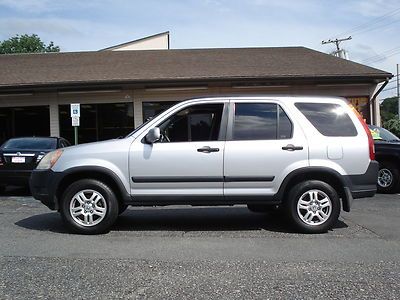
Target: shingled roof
113,67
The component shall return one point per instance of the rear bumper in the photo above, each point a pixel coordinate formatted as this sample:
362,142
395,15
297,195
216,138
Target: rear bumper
15,177
364,185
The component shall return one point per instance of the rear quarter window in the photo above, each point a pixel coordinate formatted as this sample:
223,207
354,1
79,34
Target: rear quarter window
328,118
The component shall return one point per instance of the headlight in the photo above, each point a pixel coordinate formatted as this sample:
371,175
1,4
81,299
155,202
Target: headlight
49,160
39,157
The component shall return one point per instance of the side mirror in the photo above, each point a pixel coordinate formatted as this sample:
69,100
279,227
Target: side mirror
153,135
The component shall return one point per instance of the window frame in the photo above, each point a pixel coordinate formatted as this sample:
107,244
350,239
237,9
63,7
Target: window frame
222,129
231,122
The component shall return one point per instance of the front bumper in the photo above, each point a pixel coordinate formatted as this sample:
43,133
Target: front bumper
42,184
15,177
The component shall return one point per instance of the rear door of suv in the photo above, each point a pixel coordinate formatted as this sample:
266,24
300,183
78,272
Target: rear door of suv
264,143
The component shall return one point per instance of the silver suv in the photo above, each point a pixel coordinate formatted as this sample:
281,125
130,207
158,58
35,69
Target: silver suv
306,156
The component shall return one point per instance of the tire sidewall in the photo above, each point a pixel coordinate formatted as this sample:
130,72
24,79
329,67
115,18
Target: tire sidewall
105,191
294,195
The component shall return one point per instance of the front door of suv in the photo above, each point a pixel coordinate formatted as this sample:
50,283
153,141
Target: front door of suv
263,145
188,159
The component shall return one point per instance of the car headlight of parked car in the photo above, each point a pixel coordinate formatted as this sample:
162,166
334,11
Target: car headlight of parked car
39,157
49,160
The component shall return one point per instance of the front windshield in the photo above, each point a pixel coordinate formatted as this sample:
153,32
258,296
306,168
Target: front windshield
140,126
145,123
379,133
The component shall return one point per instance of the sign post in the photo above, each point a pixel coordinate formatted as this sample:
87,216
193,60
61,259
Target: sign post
75,115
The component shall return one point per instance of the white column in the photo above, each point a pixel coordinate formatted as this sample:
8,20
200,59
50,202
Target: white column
137,109
54,120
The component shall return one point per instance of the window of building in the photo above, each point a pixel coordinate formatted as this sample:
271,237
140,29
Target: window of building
98,121
261,121
151,109
197,123
362,106
328,118
24,122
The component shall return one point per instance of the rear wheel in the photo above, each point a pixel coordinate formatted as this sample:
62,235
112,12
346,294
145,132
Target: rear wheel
2,189
313,206
388,177
89,206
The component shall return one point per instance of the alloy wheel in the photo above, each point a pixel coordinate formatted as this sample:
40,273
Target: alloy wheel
88,208
385,178
314,207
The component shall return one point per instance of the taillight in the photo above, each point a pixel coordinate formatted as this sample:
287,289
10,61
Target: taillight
371,144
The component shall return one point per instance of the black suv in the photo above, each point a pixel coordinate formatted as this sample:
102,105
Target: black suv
19,156
387,153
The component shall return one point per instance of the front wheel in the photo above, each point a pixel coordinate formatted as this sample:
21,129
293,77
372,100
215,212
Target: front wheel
313,206
388,178
89,206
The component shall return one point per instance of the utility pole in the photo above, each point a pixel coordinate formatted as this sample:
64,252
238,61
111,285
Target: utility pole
398,91
337,43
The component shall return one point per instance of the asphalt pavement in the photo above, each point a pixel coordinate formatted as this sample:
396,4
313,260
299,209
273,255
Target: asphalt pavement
199,253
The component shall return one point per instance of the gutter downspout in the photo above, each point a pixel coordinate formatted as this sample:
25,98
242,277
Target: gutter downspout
373,101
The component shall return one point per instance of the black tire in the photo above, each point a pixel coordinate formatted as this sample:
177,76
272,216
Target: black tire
388,178
301,192
2,189
110,206
262,208
122,208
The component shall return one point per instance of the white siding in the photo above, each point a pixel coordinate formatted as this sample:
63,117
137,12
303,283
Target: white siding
159,42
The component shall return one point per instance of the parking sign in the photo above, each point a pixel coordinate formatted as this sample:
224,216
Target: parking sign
75,110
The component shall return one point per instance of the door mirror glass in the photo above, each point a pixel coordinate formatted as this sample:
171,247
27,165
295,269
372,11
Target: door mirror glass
153,135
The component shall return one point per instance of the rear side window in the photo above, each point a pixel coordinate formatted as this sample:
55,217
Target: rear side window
260,121
328,118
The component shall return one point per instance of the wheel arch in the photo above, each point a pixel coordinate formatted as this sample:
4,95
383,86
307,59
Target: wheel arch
98,173
327,175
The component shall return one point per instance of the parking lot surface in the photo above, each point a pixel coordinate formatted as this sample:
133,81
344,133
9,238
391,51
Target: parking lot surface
197,253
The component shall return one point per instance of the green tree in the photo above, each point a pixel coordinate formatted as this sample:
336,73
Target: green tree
389,115
393,125
26,44
389,109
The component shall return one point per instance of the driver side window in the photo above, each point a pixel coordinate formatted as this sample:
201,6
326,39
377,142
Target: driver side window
196,123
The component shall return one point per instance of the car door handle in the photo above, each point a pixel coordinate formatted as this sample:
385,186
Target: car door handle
291,147
207,149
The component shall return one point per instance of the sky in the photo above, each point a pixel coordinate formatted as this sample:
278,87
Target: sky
77,25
